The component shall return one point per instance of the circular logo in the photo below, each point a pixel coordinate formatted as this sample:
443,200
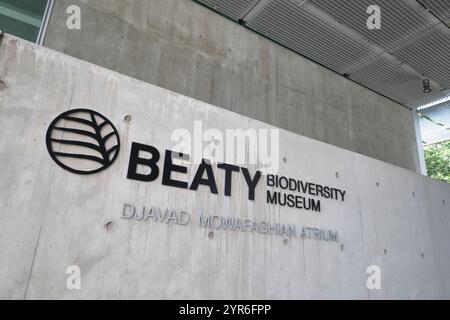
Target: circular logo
83,141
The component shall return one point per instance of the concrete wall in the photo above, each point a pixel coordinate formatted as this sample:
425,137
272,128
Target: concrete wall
184,47
51,218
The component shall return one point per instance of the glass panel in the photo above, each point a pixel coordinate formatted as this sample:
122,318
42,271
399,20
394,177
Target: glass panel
22,18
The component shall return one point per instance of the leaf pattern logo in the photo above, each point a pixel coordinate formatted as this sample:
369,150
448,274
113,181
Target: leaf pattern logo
83,141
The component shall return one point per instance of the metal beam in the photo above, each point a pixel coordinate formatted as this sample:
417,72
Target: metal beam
44,24
255,10
380,52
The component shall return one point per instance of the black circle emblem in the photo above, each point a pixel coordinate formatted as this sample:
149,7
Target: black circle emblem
83,141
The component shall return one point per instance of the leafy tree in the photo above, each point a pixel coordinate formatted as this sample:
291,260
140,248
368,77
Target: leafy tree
437,157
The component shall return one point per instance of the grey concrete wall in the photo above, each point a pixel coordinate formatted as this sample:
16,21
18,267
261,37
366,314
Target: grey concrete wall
186,48
51,218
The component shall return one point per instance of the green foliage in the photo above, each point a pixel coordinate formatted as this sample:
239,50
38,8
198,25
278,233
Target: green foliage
437,157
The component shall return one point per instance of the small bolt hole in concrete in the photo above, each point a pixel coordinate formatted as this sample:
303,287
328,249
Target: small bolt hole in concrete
342,247
337,174
127,118
422,255
378,184
413,194
211,235
385,251
285,241
109,225
285,160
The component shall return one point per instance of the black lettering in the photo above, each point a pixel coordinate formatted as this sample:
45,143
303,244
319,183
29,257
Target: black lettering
315,206
169,167
229,169
299,202
304,186
327,193
312,189
342,194
270,180
319,190
272,199
307,204
292,184
135,160
251,182
281,199
284,183
290,200
209,181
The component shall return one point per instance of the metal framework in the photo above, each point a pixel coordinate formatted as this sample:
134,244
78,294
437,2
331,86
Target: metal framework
413,43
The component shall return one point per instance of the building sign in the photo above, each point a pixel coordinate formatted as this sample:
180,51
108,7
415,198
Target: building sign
214,222
83,141
95,137
122,192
